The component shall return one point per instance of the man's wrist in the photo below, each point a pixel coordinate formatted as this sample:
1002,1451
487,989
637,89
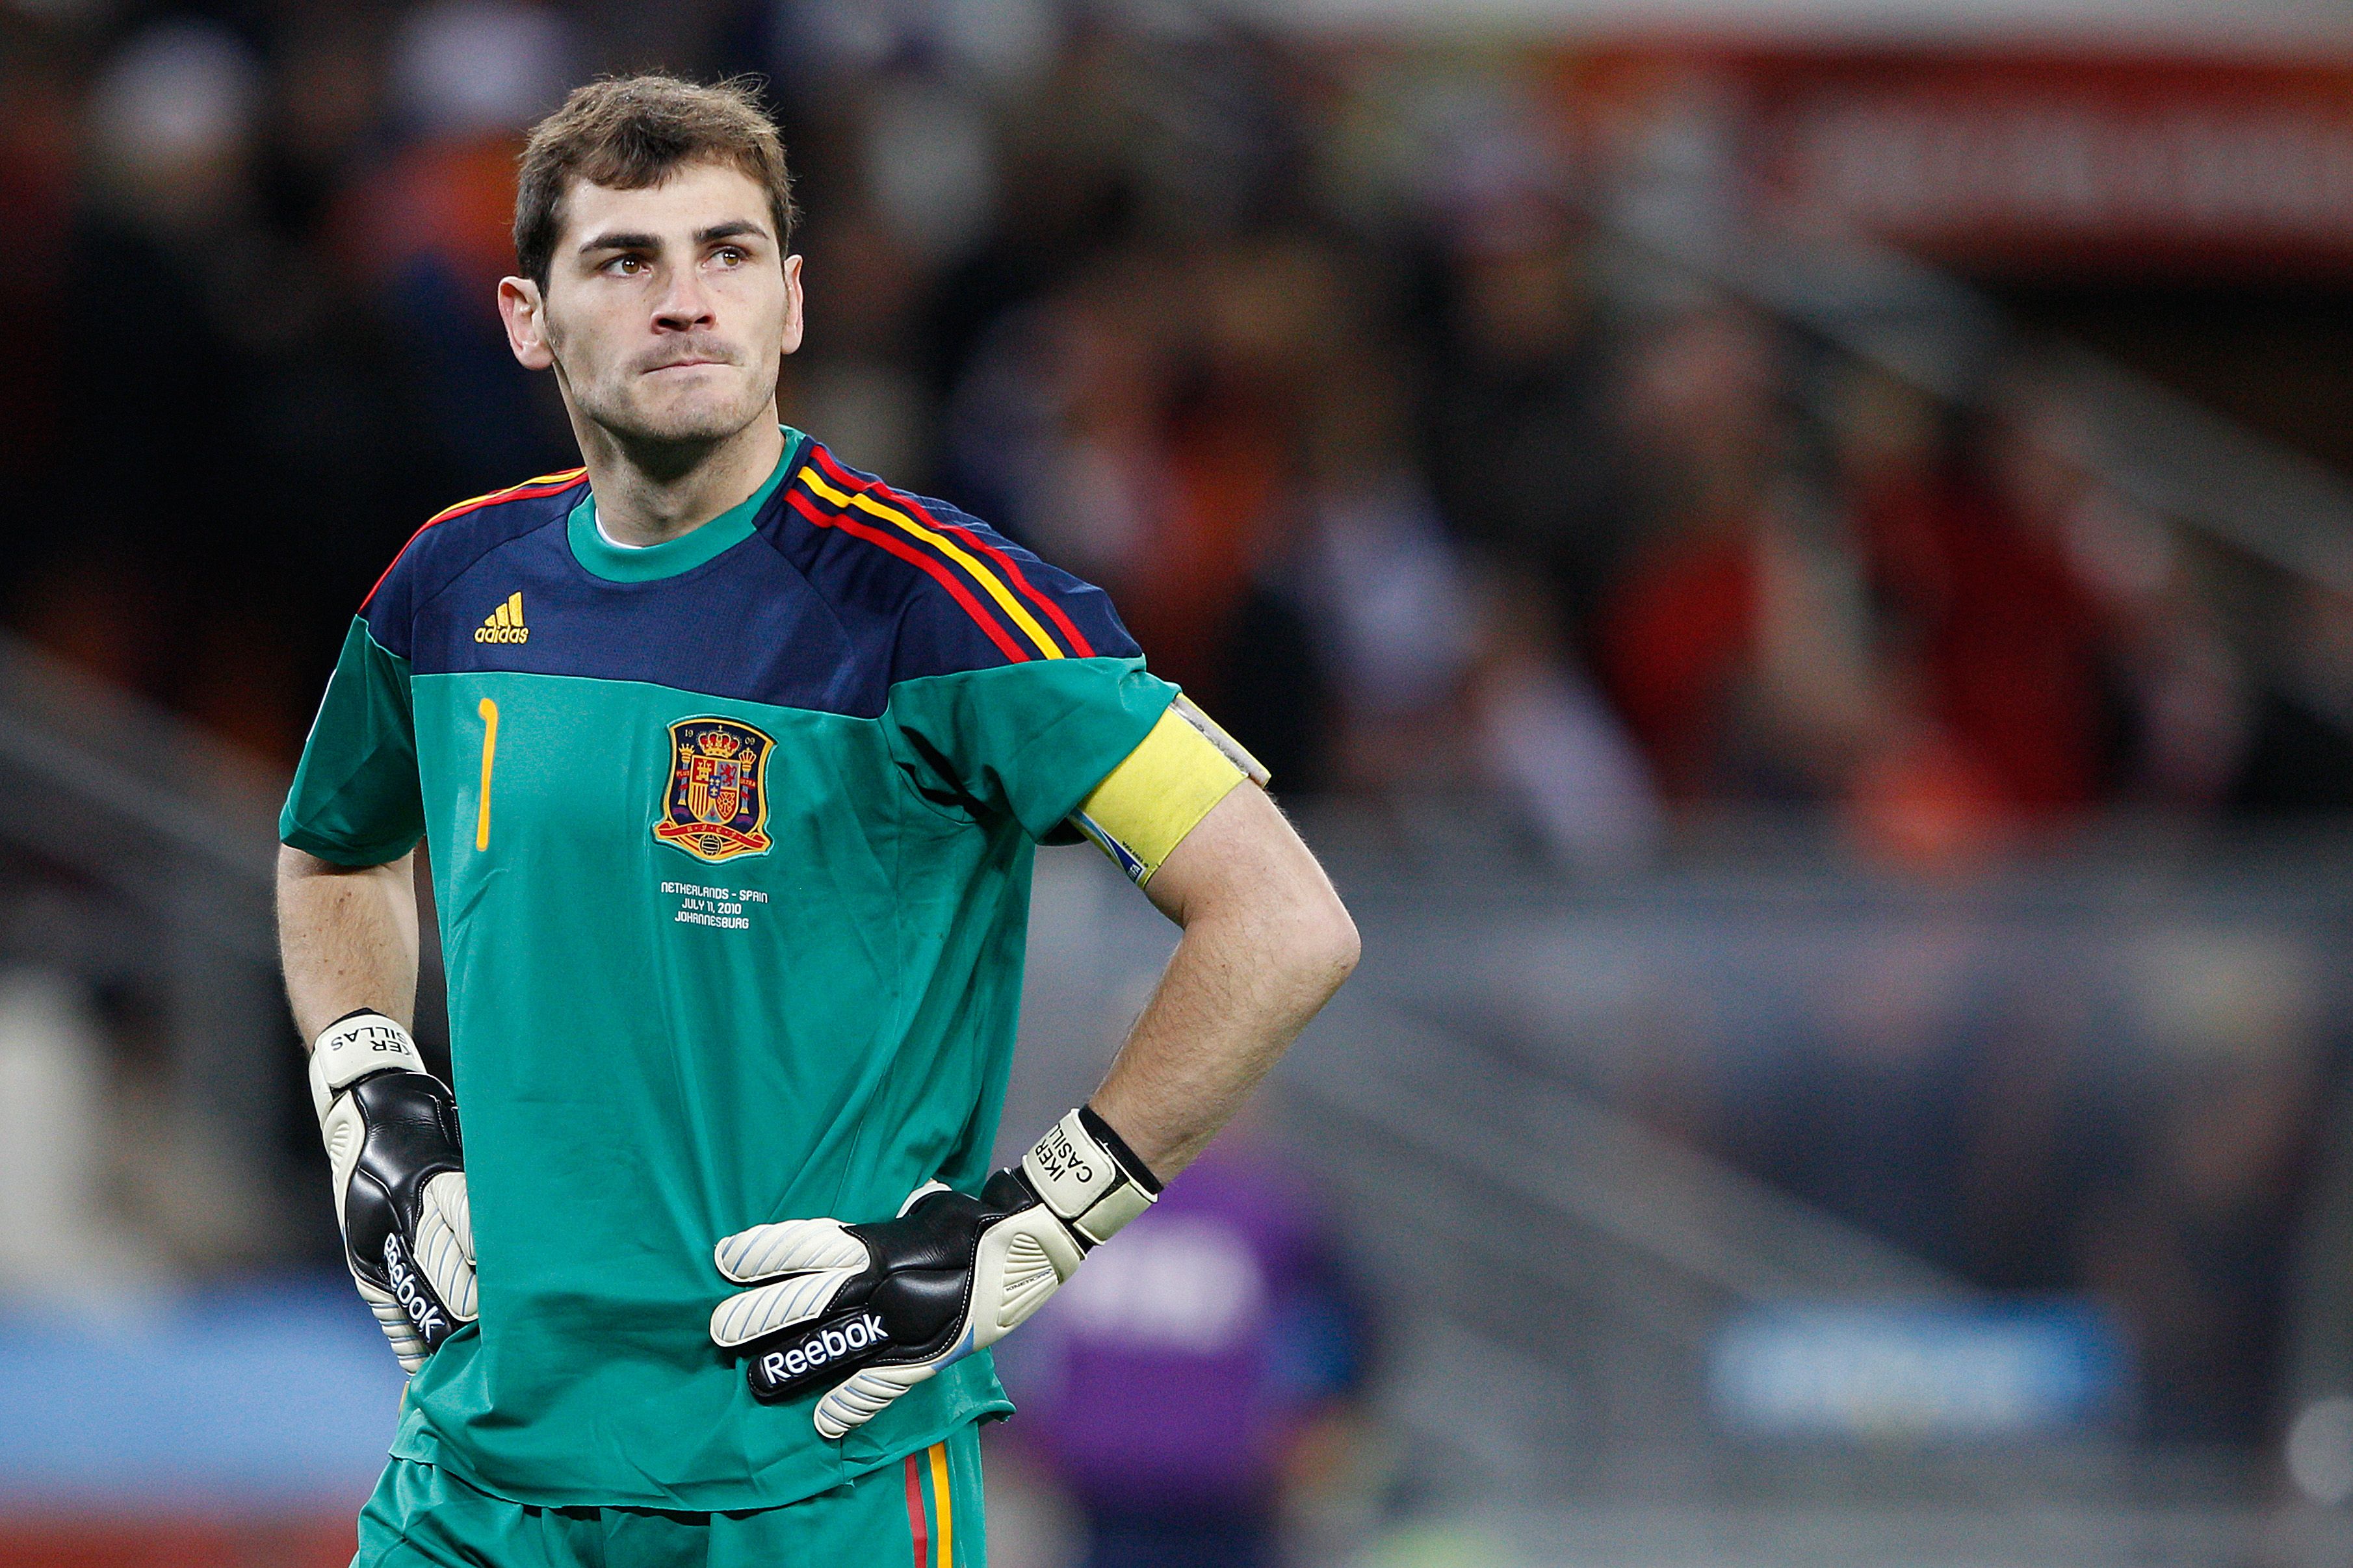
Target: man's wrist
1117,1147
358,1045
1085,1173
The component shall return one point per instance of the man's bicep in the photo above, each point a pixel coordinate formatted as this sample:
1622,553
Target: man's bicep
1162,790
1242,855
347,937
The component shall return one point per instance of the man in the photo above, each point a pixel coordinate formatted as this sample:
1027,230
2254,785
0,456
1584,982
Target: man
731,760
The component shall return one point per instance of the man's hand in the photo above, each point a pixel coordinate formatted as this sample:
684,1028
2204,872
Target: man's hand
874,1310
391,1130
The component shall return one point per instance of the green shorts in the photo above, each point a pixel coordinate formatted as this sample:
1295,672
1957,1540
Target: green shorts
922,1511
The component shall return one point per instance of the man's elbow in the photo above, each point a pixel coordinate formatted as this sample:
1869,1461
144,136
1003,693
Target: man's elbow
1320,945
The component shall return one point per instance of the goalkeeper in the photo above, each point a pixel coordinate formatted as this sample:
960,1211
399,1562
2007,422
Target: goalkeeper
731,761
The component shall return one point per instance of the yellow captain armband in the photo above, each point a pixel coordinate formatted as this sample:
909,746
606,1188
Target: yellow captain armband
1162,790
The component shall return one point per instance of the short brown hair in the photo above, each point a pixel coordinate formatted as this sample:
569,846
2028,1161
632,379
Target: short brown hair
629,132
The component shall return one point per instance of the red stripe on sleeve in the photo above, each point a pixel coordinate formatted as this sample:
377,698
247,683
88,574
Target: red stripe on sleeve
395,561
1079,644
905,551
520,492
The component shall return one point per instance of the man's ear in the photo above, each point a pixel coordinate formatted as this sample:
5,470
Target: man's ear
793,300
526,314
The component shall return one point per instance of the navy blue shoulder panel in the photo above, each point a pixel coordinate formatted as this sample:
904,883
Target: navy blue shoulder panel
844,588
953,592
452,541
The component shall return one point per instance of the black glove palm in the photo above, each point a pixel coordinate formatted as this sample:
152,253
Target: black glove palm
392,1145
874,1310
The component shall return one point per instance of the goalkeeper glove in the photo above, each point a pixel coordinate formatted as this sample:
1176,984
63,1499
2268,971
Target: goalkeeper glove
391,1130
874,1310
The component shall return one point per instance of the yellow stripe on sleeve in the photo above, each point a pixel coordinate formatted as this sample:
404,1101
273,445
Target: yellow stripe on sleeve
568,475
1156,797
988,580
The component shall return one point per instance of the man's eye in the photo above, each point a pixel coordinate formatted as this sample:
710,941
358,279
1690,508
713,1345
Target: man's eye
625,266
728,255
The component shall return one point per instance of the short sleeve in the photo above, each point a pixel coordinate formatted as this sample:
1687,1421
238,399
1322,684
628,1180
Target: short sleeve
356,800
1028,741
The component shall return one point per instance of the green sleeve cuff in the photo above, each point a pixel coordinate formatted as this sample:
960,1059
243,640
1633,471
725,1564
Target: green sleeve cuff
1029,740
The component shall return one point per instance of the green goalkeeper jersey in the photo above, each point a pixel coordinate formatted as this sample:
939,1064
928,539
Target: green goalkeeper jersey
730,838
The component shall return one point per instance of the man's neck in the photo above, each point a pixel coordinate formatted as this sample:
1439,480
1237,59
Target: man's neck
653,496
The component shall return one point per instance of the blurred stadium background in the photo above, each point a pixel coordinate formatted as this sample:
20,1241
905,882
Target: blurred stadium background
1796,557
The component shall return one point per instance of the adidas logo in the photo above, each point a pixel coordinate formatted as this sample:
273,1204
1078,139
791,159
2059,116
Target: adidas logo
506,623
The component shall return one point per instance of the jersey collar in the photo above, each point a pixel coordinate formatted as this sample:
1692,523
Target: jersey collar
617,564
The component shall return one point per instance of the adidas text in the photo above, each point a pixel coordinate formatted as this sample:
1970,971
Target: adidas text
506,623
826,1345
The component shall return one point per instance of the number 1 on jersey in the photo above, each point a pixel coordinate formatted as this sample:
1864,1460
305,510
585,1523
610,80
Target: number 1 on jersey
490,712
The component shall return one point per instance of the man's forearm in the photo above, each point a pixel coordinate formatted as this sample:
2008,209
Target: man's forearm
1266,943
348,939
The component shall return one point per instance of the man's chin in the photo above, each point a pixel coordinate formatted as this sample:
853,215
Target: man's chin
682,422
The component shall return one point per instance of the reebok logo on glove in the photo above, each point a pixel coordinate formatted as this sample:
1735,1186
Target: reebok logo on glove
827,1344
414,1298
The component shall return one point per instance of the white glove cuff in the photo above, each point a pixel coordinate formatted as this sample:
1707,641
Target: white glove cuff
1084,1173
353,1047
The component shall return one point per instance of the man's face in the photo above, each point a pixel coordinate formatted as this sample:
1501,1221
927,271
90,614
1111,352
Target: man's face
666,309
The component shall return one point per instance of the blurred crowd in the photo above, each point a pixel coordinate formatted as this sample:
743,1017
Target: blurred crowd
1322,363
2130,1107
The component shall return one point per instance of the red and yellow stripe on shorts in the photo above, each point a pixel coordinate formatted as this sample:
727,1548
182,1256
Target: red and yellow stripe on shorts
933,1524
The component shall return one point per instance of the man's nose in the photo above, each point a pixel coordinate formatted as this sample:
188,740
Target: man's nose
683,305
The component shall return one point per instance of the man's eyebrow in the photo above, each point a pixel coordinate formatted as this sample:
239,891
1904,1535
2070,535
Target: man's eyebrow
619,242
729,230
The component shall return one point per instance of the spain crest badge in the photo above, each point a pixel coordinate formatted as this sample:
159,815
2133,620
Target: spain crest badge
716,807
